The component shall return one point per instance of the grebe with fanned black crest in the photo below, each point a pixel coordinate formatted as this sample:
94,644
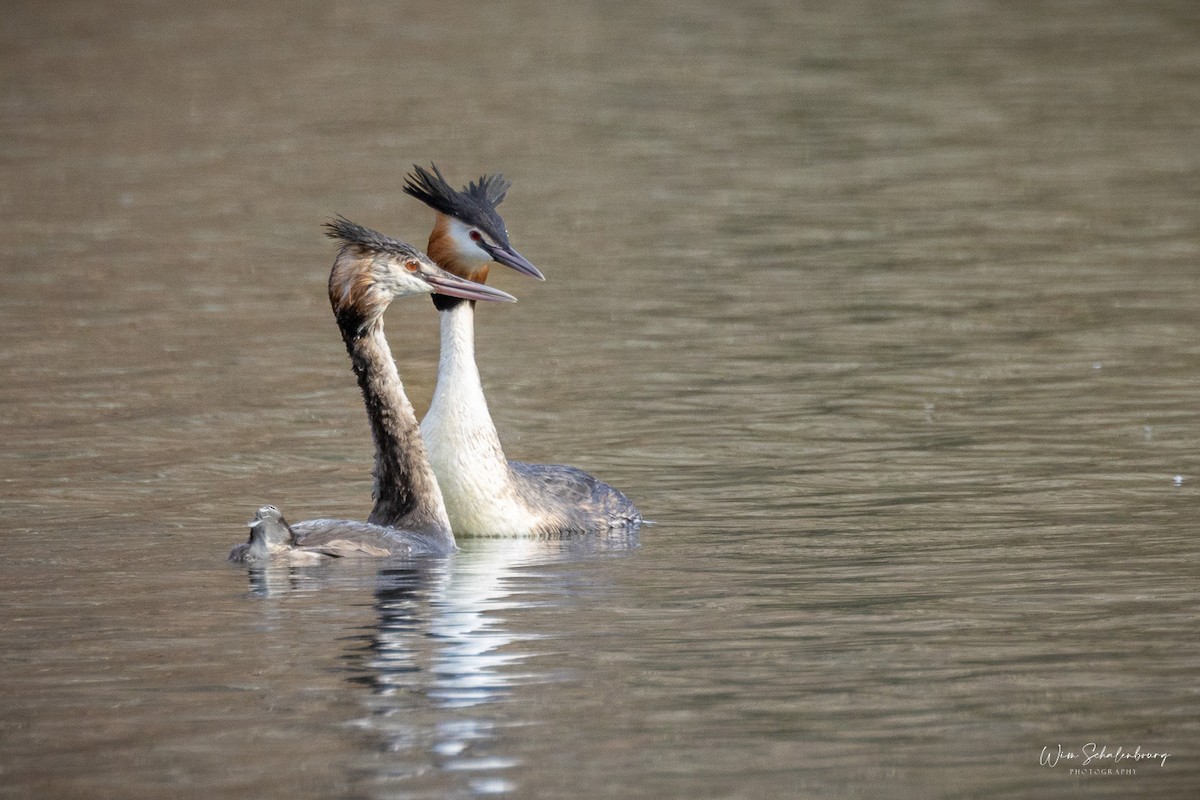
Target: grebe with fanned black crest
485,493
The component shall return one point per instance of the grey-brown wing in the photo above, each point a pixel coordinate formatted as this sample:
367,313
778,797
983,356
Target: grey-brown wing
348,548
344,538
581,502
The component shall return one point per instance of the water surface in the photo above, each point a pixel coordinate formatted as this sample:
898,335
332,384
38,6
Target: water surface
885,313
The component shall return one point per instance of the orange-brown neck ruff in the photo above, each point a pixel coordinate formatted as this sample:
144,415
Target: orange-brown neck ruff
443,249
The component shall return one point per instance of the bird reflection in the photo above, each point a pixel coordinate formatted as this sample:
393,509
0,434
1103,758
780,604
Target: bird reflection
447,654
442,639
281,577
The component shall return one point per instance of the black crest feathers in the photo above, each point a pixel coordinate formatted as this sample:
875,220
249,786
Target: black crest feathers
475,204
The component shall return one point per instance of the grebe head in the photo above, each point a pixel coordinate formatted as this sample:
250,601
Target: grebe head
269,527
468,234
269,534
371,270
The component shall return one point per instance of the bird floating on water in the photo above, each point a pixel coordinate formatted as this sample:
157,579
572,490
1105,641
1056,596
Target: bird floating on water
272,538
484,492
409,517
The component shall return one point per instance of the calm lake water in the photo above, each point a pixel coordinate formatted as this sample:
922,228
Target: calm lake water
885,313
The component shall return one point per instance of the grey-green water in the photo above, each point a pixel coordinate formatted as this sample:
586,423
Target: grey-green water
886,313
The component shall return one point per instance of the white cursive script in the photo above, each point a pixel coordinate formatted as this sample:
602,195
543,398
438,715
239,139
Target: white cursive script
1092,752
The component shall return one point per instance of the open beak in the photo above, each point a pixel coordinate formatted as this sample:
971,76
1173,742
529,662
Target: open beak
448,284
511,258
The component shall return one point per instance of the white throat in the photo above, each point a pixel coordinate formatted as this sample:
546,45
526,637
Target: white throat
466,251
464,449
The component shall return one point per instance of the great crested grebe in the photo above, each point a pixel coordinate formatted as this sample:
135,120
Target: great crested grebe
486,494
409,517
272,538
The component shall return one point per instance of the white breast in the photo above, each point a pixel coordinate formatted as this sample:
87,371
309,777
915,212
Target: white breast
464,449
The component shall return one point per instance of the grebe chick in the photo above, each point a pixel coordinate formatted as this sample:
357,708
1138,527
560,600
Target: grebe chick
409,517
272,537
269,535
486,494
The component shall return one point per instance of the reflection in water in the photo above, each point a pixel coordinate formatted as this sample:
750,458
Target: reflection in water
443,658
279,577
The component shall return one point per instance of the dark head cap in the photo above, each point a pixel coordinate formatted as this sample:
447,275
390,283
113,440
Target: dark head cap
474,205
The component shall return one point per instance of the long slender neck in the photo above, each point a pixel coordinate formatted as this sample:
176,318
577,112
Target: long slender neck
406,490
459,411
457,370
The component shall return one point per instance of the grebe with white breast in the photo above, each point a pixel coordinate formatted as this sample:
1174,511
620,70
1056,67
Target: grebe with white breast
486,494
409,517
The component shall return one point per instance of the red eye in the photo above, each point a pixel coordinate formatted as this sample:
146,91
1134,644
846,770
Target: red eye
476,236
411,266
